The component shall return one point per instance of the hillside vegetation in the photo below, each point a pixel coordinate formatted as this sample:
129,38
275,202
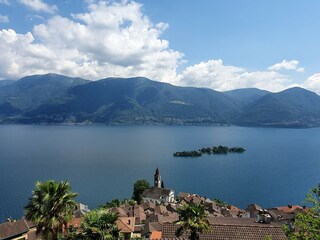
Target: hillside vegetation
57,99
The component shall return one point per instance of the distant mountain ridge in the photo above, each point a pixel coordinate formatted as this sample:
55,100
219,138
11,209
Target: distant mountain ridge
32,91
294,107
57,99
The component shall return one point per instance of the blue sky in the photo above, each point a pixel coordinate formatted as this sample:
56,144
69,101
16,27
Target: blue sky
222,45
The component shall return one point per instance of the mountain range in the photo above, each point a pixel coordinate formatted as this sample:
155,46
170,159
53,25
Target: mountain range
58,99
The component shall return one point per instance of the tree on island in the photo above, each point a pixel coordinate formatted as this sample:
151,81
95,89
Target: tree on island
208,150
307,223
138,189
192,219
100,225
51,207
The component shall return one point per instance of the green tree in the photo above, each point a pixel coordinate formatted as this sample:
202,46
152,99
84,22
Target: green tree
130,202
117,203
307,223
193,219
138,189
114,203
100,225
221,203
51,207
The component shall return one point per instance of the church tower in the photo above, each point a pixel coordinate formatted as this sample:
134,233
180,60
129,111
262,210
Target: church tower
157,179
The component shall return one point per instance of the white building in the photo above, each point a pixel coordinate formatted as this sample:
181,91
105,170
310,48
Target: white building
158,194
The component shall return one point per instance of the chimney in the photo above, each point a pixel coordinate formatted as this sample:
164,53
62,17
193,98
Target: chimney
263,216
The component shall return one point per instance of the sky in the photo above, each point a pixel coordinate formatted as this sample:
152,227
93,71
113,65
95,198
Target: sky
218,44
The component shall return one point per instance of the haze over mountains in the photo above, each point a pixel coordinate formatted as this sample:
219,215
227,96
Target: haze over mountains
57,99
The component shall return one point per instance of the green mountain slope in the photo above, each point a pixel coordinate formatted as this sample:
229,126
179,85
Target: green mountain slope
59,99
246,96
294,107
32,91
138,101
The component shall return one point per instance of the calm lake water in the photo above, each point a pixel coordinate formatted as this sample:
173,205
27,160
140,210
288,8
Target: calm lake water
102,162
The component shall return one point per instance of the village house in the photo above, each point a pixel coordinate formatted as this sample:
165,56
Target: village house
18,230
253,209
82,210
281,216
292,208
150,229
126,227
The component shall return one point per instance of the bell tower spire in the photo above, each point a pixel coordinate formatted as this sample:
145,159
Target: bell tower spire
157,179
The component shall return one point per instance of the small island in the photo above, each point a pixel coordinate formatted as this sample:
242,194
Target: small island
209,150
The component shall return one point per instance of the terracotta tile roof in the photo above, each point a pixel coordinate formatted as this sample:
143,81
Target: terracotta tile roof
215,214
231,229
213,207
226,212
234,208
194,198
151,227
120,211
168,217
160,209
238,221
183,194
139,214
156,235
153,218
290,209
31,235
11,229
124,211
148,205
245,233
253,207
279,215
126,224
171,207
30,224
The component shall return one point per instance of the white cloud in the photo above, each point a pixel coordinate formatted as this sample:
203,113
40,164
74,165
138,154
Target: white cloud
32,17
4,19
109,40
39,6
214,74
287,65
312,83
117,39
20,56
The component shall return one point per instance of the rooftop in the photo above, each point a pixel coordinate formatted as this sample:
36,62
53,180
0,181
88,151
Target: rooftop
234,229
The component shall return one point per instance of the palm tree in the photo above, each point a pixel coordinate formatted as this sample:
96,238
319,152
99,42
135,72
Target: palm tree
51,207
100,225
192,218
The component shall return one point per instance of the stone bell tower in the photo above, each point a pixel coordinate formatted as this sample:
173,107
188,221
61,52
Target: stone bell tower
157,179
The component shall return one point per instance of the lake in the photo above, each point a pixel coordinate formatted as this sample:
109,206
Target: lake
103,162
